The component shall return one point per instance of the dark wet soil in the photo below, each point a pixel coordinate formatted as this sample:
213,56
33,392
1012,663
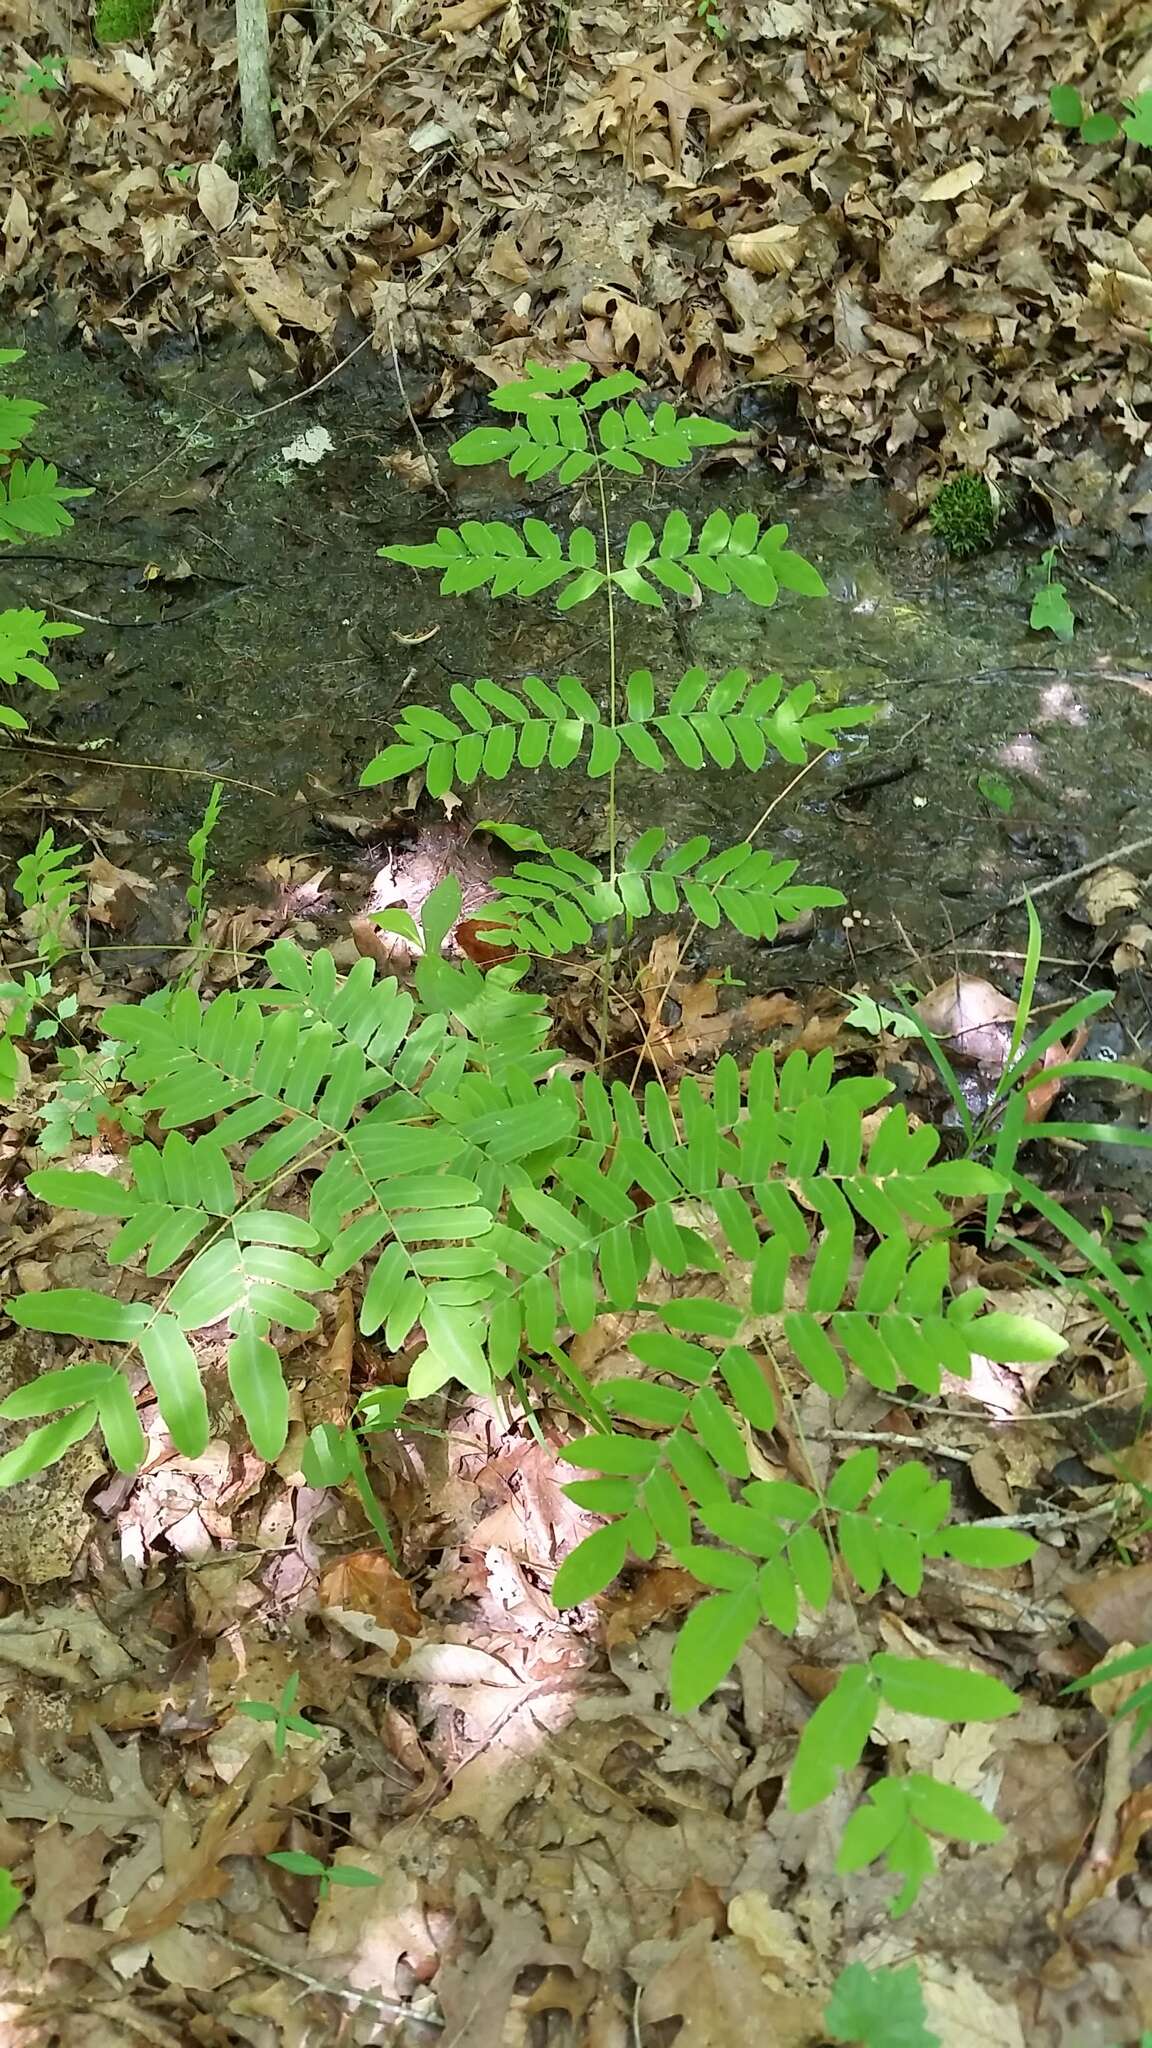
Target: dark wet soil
238,623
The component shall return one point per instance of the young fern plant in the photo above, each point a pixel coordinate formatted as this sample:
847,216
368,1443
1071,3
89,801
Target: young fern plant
32,506
583,429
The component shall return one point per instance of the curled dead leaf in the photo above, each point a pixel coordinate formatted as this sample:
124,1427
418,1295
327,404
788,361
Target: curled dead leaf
950,184
768,252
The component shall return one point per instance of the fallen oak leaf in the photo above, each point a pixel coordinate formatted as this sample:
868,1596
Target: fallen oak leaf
667,82
366,1583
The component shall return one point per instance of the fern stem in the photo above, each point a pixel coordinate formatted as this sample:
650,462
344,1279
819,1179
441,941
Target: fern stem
613,689
843,1581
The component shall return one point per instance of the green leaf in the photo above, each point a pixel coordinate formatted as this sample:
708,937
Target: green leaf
175,1375
947,1810
994,790
46,1446
120,1424
833,1738
327,1458
591,1566
81,1312
1104,128
942,1692
974,1544
11,1898
256,1378
63,1387
854,1479
708,1645
620,1456
1051,612
878,2009
298,1862
1014,1340
1066,105
485,444
351,1874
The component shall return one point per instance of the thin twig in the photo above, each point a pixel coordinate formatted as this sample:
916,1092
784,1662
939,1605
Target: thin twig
295,397
1098,590
393,2008
887,1436
1113,1793
429,460
134,482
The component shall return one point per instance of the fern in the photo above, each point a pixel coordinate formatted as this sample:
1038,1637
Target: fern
727,554
32,503
552,903
422,1143
733,720
568,424
24,637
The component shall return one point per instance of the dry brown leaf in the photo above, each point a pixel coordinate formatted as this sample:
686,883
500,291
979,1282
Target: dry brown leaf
950,184
769,252
1106,894
465,14
721,1993
1114,1604
667,83
217,196
365,1582
108,81
275,298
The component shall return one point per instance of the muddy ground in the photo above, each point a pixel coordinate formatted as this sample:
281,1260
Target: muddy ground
237,622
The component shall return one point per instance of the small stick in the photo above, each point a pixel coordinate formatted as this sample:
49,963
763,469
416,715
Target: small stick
433,472
1098,590
393,2008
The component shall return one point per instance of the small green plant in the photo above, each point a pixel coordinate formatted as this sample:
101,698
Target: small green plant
43,76
282,1714
302,1865
965,514
49,888
995,790
334,1455
123,21
196,893
421,1145
1051,611
584,430
878,2009
1069,110
85,1096
11,1898
32,506
708,13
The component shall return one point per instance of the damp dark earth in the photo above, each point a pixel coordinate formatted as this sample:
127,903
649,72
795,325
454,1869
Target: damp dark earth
237,623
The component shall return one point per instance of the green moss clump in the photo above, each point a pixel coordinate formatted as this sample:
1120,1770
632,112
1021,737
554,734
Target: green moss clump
964,515
123,21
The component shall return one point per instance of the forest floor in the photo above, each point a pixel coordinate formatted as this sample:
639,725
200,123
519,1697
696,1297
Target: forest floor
868,217
873,221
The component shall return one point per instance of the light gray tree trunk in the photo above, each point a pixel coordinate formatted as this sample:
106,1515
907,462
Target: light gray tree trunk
254,68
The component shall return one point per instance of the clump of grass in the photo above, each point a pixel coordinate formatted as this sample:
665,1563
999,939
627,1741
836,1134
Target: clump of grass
964,514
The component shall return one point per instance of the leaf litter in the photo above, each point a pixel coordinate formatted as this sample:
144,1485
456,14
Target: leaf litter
874,220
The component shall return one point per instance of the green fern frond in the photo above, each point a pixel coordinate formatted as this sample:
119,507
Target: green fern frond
552,904
496,728
32,502
727,554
